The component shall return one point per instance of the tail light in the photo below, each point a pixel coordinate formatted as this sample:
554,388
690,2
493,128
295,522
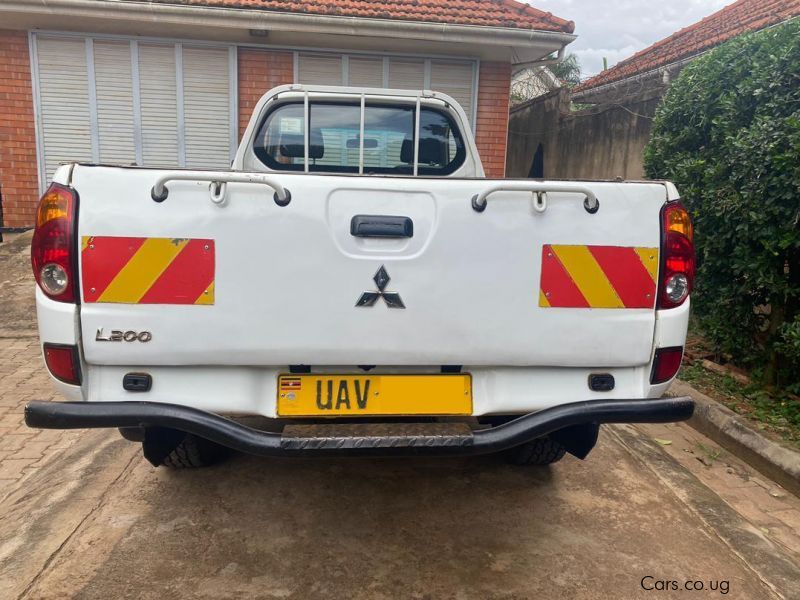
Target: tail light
677,256
63,362
53,245
666,364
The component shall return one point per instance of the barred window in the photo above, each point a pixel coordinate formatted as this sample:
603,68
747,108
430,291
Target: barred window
335,145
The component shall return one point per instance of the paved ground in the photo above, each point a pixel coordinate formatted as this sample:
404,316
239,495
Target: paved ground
22,450
83,515
21,375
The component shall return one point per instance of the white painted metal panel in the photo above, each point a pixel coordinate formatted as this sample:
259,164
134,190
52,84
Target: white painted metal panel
206,106
288,278
159,105
65,111
253,390
320,69
114,91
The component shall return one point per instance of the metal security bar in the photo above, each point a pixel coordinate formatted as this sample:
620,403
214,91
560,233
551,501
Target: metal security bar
380,94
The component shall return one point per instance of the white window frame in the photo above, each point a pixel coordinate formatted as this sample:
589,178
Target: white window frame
89,40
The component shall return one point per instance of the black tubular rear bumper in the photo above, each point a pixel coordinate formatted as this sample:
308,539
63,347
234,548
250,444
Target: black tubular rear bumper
79,415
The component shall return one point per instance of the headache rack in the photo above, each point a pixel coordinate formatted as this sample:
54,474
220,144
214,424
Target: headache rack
379,94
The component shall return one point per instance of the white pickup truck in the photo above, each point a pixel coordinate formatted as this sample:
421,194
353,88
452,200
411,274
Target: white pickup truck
356,282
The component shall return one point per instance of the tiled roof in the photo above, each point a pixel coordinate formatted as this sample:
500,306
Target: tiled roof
737,18
495,13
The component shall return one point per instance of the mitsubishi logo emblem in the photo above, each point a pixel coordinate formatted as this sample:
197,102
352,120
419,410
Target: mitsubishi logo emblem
392,299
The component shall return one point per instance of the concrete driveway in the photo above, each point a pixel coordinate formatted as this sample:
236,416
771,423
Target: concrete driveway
86,516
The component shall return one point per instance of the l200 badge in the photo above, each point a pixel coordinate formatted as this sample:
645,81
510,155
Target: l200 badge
117,335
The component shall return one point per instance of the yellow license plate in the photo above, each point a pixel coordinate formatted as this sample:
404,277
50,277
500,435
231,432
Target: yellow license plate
367,395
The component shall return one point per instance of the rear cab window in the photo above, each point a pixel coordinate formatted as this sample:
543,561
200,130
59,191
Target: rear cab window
335,144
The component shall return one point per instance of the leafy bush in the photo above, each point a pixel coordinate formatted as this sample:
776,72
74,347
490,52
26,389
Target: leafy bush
728,134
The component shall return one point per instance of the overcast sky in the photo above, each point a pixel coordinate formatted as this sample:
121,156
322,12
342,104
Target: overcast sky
617,29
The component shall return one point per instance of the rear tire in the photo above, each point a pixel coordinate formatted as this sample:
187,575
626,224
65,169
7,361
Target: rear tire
180,450
541,451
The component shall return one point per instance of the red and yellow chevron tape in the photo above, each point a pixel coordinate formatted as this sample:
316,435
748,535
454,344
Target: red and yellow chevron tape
137,270
582,276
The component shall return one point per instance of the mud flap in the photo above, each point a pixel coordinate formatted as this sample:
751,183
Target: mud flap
578,440
159,442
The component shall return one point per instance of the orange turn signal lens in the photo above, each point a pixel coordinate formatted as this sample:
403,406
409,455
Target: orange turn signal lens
677,219
55,204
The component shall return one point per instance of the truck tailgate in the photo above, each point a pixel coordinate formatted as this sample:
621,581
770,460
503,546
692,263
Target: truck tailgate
253,283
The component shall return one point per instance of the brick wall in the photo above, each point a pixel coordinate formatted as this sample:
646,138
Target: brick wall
260,71
491,135
19,182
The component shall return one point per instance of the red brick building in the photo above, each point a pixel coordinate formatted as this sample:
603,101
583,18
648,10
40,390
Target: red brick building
173,82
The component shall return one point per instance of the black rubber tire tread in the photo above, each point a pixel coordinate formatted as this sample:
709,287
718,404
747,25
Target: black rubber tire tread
541,451
193,453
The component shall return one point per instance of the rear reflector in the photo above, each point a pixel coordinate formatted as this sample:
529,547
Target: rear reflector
666,364
63,363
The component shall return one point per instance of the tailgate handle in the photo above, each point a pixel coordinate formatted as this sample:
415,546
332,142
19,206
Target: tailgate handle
381,226
218,184
590,201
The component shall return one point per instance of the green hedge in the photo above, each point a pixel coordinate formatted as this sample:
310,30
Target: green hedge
728,135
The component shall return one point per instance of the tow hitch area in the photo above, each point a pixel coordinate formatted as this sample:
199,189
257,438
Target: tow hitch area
367,438
347,436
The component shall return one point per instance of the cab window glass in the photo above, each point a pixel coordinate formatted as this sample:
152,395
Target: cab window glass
334,139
